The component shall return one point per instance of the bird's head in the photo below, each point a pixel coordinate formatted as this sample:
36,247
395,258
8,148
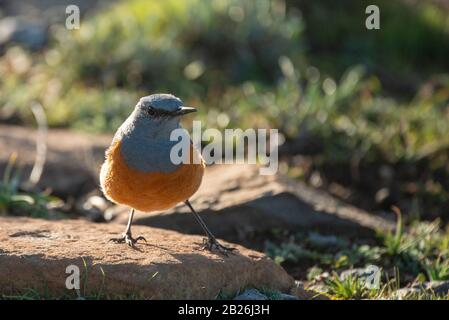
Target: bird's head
162,107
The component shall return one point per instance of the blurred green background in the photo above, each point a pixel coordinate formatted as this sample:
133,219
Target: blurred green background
364,113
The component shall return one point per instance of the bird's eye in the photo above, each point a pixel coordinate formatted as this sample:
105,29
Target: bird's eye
151,111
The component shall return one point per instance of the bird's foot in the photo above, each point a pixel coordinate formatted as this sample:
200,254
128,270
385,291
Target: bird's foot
212,243
128,239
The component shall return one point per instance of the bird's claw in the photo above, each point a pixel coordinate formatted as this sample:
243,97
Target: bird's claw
128,239
212,243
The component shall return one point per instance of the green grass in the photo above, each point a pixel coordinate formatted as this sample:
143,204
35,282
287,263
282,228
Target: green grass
437,270
350,287
409,254
16,202
353,288
393,241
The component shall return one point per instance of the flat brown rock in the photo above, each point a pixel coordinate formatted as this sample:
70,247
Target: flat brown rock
35,253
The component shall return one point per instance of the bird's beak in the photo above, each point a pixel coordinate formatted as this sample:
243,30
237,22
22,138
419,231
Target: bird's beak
184,110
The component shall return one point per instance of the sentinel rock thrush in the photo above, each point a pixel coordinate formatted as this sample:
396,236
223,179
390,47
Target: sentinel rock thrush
138,171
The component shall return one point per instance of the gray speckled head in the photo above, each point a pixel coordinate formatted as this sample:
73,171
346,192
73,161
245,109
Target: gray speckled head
161,101
145,135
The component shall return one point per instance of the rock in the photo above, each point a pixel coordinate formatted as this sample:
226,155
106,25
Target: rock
94,207
432,287
352,273
369,276
73,159
236,202
438,287
360,273
251,294
254,294
35,254
284,296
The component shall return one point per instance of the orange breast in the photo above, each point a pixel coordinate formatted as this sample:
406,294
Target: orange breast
147,191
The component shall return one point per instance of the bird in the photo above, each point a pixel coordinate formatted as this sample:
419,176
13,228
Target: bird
138,171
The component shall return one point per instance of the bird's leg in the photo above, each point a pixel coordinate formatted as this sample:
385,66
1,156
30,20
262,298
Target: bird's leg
211,242
127,237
